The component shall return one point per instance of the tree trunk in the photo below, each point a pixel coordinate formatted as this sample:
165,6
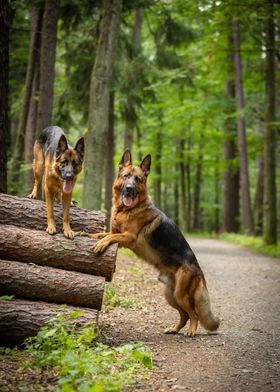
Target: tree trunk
196,196
189,192
4,91
183,214
270,210
130,109
158,179
50,284
38,247
20,318
241,131
99,104
32,214
31,122
110,152
34,50
47,64
231,177
258,204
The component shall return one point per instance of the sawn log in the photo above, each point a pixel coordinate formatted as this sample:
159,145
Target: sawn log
24,212
38,247
30,281
20,319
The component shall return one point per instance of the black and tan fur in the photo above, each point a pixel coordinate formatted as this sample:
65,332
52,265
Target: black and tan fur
138,225
56,165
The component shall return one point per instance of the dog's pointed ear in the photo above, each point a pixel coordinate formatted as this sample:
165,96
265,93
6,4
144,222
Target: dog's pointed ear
80,147
146,164
62,146
126,159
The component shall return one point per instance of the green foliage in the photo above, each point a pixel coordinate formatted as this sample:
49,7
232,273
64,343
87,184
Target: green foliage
254,243
81,363
112,299
6,297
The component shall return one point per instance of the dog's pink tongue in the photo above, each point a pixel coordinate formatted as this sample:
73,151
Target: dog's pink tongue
127,201
67,187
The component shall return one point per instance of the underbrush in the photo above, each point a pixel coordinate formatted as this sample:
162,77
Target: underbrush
78,361
253,243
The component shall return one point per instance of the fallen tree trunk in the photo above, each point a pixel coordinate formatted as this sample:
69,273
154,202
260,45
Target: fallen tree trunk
32,214
20,319
50,284
38,247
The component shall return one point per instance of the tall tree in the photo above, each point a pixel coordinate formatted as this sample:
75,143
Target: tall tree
130,107
270,215
99,104
4,88
241,131
109,167
231,176
47,64
23,146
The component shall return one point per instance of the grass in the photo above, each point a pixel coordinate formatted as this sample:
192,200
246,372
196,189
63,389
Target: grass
79,362
254,243
113,299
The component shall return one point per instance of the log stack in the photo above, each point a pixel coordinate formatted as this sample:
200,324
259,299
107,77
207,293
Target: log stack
43,271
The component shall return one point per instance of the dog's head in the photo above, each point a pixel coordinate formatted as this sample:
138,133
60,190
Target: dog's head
69,162
130,187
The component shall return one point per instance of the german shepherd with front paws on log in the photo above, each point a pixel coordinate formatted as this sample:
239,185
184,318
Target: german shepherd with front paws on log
59,165
138,225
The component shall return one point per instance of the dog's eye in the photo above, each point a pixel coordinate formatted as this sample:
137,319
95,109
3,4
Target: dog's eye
74,163
127,175
64,162
138,179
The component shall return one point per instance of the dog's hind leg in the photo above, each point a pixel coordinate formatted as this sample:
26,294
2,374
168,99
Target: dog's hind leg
38,169
185,284
169,295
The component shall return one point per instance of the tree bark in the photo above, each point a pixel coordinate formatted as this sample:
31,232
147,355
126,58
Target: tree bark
47,64
189,185
4,91
231,176
270,201
183,213
31,121
110,152
130,108
50,284
20,318
158,179
32,214
241,131
258,204
99,105
196,196
38,247
34,50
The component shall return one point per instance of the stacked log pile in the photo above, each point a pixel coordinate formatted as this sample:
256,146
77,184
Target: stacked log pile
43,271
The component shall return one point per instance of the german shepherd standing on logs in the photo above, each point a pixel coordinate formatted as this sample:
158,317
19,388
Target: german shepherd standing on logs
59,165
138,225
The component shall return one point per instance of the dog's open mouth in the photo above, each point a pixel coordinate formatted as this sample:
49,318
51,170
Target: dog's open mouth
67,187
127,200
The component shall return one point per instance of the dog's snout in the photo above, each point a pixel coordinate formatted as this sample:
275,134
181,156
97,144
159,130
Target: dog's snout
129,187
69,176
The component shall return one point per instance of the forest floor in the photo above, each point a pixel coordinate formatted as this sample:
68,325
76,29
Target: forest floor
244,355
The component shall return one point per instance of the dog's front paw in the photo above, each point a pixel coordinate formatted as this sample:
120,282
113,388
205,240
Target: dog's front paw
32,195
191,333
51,229
99,247
68,233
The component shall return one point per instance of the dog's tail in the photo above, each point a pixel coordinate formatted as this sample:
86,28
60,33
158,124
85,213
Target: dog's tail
203,308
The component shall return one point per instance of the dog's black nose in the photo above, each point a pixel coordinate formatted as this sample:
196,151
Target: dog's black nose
129,188
69,176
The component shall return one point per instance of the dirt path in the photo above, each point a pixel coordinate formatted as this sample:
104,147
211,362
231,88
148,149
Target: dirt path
245,293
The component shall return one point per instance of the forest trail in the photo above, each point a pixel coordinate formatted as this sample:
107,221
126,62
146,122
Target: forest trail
245,294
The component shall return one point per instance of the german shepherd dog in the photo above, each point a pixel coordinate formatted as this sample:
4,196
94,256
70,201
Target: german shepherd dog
59,165
138,225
